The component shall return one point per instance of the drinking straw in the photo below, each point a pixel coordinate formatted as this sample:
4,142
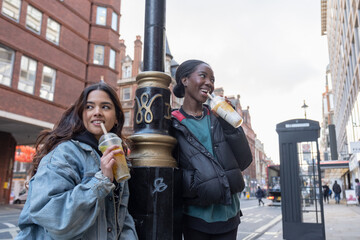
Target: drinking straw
103,128
209,95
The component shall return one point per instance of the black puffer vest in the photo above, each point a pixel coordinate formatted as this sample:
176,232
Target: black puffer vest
208,180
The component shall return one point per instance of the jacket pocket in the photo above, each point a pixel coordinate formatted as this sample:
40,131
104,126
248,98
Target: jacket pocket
236,180
211,192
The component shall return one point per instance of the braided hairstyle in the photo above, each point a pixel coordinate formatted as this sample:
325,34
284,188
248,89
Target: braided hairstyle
185,70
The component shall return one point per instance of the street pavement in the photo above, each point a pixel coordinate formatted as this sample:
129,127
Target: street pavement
342,222
9,215
256,219
259,222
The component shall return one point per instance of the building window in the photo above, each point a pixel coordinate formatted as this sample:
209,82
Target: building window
48,83
114,21
33,19
99,54
126,71
11,9
27,75
53,31
126,93
112,59
168,65
101,16
6,65
127,119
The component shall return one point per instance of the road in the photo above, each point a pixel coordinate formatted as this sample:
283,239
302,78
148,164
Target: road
256,220
254,223
8,221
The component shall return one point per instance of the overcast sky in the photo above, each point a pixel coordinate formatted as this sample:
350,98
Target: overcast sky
270,52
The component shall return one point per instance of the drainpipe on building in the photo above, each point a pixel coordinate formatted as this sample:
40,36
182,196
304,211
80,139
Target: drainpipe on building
333,145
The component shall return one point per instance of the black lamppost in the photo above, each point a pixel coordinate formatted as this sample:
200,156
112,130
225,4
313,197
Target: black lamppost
152,178
304,106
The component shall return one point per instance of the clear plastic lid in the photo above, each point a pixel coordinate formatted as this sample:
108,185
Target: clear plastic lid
110,138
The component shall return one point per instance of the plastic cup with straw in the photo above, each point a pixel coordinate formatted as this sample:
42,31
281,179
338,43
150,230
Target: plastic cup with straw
120,168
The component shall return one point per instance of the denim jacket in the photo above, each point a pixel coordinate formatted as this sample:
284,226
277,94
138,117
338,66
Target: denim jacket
69,198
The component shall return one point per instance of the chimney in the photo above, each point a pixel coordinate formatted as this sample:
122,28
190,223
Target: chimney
121,56
137,56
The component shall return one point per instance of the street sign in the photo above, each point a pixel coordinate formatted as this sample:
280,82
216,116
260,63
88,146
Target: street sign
353,162
296,125
355,147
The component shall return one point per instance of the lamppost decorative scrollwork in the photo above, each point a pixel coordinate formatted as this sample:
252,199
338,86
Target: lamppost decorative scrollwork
168,111
145,103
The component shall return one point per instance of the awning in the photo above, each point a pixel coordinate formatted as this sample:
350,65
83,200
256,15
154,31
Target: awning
334,169
334,164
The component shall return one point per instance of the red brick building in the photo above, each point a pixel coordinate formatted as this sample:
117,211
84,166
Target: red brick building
49,51
130,68
250,173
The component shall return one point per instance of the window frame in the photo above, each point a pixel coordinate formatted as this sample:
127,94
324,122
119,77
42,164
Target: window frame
50,92
112,59
17,15
126,71
125,94
50,30
95,58
127,119
114,23
27,80
30,17
11,63
100,21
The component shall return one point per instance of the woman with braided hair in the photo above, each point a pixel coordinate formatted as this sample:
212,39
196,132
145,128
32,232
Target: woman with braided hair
211,155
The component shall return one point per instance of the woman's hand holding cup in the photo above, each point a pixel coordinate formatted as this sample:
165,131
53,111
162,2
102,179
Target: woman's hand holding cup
108,160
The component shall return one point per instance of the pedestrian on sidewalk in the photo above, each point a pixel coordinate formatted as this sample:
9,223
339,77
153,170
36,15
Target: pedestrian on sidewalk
326,193
337,190
357,190
73,194
259,194
211,155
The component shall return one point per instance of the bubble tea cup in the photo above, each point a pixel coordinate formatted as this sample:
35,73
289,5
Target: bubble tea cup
120,168
225,110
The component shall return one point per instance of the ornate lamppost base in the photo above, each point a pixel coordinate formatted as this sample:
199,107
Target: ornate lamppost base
152,150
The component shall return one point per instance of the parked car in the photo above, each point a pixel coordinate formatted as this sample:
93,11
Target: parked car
21,198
